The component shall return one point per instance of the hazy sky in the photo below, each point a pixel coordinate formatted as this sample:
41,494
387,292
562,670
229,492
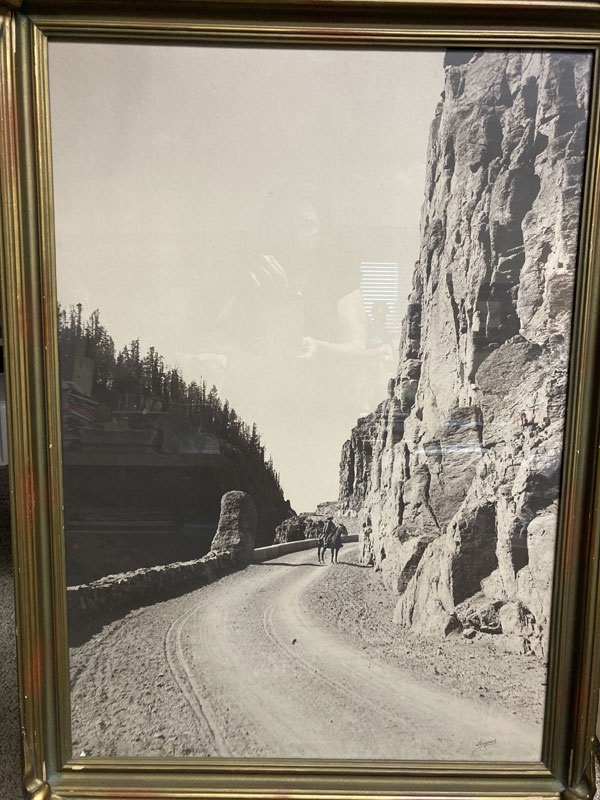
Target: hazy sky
200,189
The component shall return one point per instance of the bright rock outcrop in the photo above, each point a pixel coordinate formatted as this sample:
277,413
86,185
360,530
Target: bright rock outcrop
457,472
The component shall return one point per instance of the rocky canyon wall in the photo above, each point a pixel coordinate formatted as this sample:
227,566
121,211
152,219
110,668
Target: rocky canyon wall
457,471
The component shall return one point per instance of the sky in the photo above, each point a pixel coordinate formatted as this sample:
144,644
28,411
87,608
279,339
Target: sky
217,203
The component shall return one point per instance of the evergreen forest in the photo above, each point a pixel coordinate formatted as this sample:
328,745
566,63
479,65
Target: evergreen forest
129,372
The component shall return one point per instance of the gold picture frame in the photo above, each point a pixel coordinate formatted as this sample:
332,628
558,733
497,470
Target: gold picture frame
31,333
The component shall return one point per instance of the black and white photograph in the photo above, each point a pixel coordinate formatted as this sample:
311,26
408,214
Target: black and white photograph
314,323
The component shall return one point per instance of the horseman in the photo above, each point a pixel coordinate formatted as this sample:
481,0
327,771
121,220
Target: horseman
330,536
328,530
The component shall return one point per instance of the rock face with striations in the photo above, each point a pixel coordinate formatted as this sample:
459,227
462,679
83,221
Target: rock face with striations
457,471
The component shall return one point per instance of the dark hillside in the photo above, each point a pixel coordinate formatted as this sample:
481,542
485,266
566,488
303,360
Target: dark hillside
147,457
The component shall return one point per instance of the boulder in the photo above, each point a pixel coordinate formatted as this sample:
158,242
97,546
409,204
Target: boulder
402,558
515,618
534,581
427,605
236,531
301,526
481,615
493,587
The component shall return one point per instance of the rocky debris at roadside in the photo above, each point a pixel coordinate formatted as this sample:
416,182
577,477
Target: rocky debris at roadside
302,526
310,526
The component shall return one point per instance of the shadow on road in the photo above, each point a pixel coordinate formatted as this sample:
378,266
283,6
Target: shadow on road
286,564
311,564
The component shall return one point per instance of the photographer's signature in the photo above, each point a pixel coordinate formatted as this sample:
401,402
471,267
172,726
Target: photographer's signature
485,743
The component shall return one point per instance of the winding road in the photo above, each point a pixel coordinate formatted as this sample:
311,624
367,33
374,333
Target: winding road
262,677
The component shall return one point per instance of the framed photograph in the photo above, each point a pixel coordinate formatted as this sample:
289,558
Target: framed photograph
300,312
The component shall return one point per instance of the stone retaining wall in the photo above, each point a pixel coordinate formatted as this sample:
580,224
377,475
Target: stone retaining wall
276,550
92,605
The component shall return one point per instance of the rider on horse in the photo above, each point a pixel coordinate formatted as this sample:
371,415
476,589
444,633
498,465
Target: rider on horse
330,537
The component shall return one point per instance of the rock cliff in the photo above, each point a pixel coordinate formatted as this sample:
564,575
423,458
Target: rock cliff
457,471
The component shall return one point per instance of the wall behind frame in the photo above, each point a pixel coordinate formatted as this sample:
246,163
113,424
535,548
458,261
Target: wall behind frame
11,768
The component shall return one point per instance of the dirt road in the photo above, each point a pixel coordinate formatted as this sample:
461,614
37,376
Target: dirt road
252,671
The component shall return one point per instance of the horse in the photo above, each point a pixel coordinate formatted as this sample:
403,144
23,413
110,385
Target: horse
331,541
